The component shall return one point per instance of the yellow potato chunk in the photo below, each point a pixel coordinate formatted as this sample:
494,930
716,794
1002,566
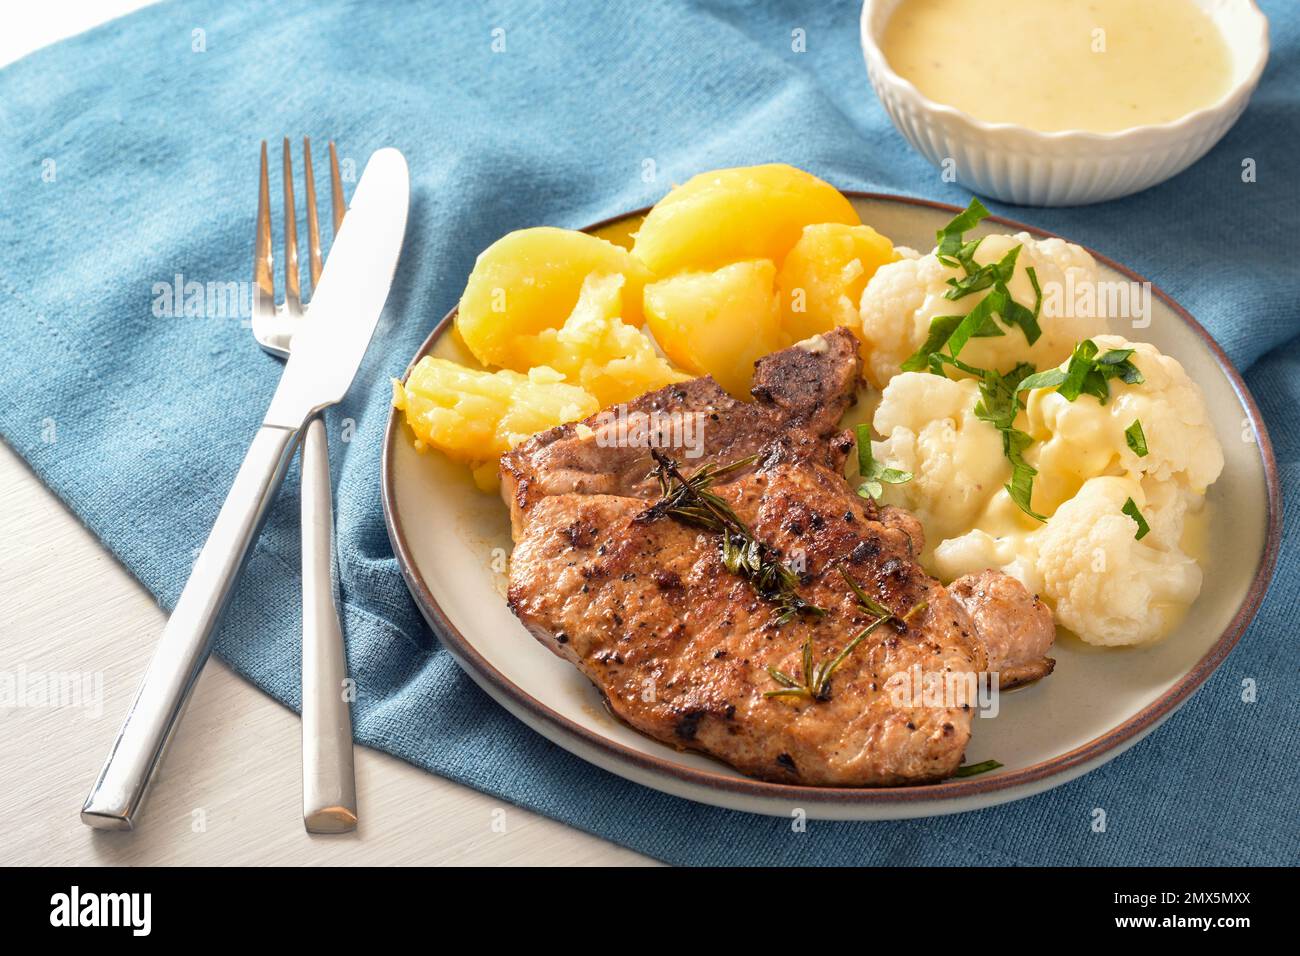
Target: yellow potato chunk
599,351
822,279
475,416
718,323
528,281
750,212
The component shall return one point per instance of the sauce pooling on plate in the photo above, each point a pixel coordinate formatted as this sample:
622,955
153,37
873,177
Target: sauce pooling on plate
1098,65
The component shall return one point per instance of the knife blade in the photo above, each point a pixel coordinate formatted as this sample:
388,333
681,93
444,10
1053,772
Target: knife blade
346,306
347,302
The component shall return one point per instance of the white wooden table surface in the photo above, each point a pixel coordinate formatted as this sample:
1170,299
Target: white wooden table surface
230,789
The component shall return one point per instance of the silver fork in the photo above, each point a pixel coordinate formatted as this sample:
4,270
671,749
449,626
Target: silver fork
329,793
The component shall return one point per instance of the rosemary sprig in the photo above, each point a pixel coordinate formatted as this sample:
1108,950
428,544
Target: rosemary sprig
815,680
689,500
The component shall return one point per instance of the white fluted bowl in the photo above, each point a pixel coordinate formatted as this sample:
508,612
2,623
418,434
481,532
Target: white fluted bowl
1069,167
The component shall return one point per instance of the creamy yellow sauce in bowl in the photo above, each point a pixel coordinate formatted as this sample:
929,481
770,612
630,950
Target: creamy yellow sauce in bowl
1063,102
1097,65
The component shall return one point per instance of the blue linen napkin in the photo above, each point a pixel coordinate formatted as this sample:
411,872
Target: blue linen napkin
126,172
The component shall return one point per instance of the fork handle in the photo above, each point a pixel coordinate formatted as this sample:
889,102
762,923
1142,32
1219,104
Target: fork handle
118,794
329,790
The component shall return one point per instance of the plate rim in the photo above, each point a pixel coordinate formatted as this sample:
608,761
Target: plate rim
1128,732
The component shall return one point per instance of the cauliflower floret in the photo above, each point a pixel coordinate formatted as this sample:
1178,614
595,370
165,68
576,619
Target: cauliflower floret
956,460
1105,585
976,550
902,297
1083,438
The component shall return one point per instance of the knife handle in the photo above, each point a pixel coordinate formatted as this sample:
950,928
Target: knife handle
329,789
116,798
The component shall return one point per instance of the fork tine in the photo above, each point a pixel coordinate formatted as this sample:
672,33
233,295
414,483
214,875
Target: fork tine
263,257
313,226
336,188
292,284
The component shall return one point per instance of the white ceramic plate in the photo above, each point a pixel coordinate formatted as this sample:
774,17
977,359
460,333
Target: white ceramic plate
1097,704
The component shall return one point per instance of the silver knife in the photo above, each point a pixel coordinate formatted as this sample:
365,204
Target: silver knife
327,352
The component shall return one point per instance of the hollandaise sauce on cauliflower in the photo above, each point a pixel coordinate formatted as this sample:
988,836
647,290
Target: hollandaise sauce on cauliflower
1117,482
1085,480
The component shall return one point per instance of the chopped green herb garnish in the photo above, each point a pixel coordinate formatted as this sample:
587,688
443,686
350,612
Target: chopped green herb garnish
1013,313
1087,374
970,770
1136,439
978,278
955,331
941,328
1021,486
874,474
952,248
1131,509
1048,379
999,404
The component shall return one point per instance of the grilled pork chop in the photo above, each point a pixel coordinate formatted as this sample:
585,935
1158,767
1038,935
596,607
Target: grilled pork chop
1016,627
682,648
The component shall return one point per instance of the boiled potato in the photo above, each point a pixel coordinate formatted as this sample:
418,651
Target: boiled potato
718,323
476,416
528,281
751,212
596,349
822,278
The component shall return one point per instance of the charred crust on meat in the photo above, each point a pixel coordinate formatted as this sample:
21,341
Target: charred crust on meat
865,550
667,580
575,532
816,378
786,762
688,724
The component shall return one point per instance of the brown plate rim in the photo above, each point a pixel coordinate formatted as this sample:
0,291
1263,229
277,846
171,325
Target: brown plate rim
1131,730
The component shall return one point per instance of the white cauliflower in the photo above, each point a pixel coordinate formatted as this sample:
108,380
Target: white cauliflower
930,429
902,297
1105,585
1083,438
978,549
